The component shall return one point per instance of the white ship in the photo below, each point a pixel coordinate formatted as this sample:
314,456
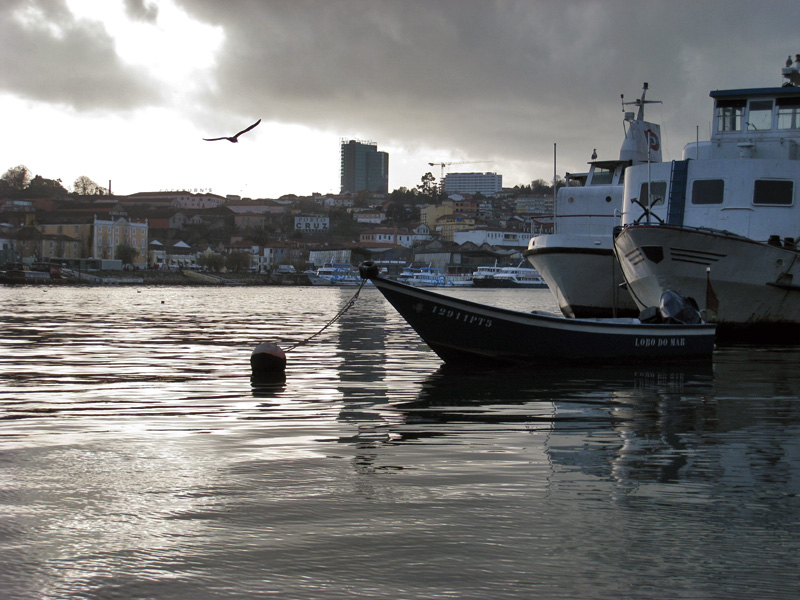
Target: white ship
722,225
577,260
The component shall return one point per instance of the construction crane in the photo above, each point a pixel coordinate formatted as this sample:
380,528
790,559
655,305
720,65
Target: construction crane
447,164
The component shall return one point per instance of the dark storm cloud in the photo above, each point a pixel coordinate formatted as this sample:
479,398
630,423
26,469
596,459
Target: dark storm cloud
52,57
491,78
488,79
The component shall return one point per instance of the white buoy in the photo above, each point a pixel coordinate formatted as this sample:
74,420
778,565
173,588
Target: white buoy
268,362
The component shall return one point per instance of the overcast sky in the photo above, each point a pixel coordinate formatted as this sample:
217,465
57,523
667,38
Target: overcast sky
125,90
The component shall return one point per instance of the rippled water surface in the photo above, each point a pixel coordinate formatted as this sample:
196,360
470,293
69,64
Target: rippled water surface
137,460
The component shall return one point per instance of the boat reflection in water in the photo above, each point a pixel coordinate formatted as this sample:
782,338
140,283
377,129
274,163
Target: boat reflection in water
699,424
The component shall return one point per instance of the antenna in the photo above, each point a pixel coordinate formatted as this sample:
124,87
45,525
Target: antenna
640,102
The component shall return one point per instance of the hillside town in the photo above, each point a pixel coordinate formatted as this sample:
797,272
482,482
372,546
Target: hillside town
92,229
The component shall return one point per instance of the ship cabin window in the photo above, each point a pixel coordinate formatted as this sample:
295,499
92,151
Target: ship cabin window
788,113
708,191
601,176
729,114
759,116
658,191
773,191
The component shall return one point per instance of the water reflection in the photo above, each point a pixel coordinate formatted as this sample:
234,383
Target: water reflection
634,425
139,458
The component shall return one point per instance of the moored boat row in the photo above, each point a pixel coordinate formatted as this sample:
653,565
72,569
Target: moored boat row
721,225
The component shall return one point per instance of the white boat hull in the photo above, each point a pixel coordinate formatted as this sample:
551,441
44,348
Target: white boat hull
583,275
752,284
335,282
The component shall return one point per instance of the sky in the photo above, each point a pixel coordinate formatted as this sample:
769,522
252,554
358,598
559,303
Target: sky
124,91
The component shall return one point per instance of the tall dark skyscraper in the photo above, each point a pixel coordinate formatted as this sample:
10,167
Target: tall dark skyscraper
364,168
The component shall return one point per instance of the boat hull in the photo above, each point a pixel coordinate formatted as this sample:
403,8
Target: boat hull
585,280
751,289
508,283
464,332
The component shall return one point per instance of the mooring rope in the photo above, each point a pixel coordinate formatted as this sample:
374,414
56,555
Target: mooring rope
338,315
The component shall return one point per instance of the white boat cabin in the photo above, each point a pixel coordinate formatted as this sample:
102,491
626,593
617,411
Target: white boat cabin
592,207
743,180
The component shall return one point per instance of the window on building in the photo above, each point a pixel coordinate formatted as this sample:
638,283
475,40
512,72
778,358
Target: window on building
658,190
788,113
729,114
759,118
773,191
708,191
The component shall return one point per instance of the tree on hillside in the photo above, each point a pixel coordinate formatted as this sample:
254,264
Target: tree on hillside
428,186
39,187
84,186
540,187
15,180
260,235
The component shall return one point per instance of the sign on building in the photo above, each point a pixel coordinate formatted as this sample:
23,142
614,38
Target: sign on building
312,224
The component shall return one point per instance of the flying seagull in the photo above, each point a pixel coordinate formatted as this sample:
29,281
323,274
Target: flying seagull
234,139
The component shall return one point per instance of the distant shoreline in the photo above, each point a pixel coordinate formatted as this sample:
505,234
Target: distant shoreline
175,278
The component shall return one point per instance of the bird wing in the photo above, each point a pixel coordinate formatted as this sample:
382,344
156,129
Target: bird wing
214,139
248,129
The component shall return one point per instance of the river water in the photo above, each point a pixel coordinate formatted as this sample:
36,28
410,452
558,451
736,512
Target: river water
138,461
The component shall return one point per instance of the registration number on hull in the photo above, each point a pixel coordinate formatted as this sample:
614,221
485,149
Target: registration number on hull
457,315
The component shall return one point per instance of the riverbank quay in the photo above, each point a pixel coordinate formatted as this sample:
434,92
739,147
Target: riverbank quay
176,278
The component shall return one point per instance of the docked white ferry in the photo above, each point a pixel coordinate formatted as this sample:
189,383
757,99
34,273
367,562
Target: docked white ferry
577,260
510,277
336,274
722,224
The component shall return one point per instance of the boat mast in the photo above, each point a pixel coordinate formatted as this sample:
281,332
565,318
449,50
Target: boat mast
555,179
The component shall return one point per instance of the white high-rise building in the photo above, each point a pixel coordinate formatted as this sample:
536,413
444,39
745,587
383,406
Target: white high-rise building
487,184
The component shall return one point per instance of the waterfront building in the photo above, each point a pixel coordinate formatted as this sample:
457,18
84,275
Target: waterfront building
107,235
176,199
448,225
363,167
395,237
533,205
430,213
493,237
32,244
262,206
369,216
